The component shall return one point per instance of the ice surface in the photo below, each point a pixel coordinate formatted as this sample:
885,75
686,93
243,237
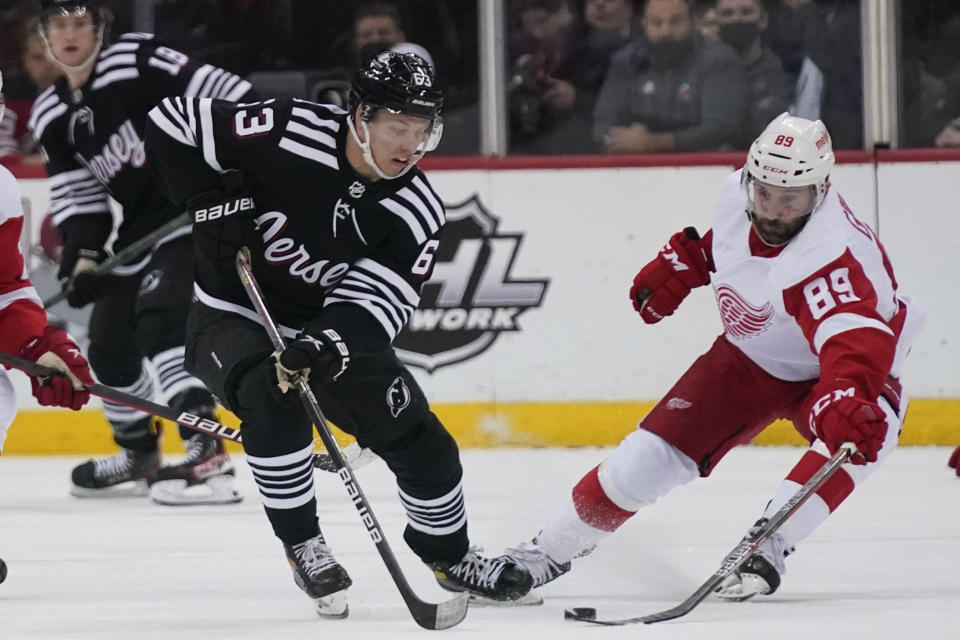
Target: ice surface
886,565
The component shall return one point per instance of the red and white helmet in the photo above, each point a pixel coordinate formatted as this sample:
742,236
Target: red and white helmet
793,152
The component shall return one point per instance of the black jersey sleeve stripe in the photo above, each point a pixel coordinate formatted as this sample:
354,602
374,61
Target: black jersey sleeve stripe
415,224
116,75
314,119
169,116
46,109
311,153
76,193
196,85
382,319
420,207
386,315
109,62
382,292
355,288
208,143
310,133
427,192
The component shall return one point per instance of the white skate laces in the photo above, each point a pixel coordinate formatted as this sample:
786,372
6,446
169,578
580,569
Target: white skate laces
532,557
314,556
320,576
478,572
116,466
498,579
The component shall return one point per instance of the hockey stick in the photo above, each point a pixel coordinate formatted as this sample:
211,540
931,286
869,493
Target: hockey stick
184,418
121,257
740,553
426,614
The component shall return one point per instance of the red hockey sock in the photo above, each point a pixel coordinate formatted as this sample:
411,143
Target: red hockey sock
834,491
594,507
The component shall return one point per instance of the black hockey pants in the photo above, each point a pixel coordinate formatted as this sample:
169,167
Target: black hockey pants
144,316
376,400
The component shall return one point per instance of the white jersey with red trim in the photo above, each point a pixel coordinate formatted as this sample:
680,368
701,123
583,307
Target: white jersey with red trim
21,311
780,306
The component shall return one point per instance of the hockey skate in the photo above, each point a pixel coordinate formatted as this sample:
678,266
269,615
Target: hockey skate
205,476
486,579
321,577
541,567
760,574
122,475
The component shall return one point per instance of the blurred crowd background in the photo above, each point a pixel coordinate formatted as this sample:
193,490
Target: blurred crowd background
579,76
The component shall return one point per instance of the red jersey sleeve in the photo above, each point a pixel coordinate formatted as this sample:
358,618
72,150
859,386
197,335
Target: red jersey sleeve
21,314
836,308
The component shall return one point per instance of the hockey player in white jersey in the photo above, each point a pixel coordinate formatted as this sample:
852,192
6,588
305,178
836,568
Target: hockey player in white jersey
23,323
815,331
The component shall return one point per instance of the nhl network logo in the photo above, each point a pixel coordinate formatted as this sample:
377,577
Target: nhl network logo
471,297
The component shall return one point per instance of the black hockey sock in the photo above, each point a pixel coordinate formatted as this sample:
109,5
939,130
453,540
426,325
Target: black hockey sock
293,526
197,401
142,435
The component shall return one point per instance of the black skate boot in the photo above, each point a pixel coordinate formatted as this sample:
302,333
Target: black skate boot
121,475
760,574
497,578
321,577
205,476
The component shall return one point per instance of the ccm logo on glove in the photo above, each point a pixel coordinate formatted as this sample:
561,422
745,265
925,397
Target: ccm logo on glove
224,209
839,416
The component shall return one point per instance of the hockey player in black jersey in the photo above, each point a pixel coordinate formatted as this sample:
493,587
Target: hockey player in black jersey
343,231
90,125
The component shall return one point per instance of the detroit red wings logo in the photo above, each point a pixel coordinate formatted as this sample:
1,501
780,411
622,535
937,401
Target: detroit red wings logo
740,318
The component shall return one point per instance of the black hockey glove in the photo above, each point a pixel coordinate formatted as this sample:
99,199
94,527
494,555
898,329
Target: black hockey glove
322,354
221,225
77,279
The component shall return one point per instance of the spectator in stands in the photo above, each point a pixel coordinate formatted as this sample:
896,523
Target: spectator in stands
705,19
791,29
559,68
377,27
836,51
769,89
672,89
35,73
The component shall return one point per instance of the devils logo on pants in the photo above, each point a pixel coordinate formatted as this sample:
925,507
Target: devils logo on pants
398,396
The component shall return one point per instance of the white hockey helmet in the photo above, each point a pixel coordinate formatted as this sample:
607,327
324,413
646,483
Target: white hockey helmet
2,101
793,152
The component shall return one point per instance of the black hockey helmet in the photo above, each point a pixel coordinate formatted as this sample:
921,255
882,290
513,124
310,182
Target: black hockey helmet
50,8
399,82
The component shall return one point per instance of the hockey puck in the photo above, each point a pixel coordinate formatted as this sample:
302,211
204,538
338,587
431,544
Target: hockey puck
3,570
580,613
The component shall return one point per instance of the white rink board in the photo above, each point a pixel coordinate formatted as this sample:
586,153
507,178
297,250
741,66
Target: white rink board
589,230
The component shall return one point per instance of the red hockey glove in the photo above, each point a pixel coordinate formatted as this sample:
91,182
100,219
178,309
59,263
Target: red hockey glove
55,349
662,285
955,460
838,416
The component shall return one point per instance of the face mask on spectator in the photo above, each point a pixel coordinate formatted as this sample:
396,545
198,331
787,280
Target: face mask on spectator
666,53
740,35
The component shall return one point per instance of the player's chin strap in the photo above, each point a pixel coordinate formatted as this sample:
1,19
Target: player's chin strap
72,68
368,154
